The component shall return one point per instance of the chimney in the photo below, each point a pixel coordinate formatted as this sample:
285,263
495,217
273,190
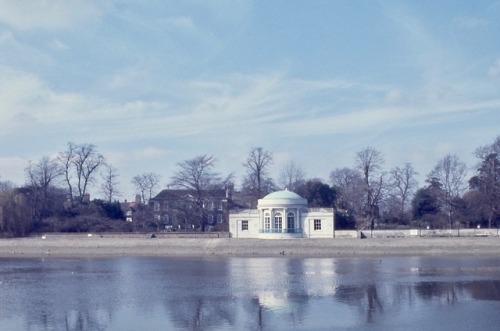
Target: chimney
86,198
229,191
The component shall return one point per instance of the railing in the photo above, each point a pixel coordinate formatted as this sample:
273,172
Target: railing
280,231
243,211
256,211
320,209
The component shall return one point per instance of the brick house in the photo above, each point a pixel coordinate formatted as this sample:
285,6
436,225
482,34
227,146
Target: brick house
129,208
178,209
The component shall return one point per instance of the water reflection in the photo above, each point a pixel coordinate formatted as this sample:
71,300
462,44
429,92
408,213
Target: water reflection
71,295
249,293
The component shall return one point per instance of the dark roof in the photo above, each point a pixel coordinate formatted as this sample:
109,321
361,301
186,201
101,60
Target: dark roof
236,199
171,194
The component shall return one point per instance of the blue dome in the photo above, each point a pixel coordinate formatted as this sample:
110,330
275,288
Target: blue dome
285,194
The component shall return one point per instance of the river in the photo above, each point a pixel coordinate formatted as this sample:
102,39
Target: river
219,293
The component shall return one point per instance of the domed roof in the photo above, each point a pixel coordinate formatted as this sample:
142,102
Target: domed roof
281,199
284,194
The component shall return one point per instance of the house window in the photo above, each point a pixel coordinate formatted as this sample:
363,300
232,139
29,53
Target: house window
210,219
290,221
156,206
278,220
165,218
317,225
244,225
219,218
165,205
213,204
219,205
267,221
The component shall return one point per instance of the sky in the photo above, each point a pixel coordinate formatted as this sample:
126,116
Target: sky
153,83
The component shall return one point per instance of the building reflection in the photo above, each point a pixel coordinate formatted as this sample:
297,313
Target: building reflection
281,286
226,293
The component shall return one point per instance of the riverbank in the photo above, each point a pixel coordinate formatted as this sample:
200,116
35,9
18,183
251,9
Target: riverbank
102,246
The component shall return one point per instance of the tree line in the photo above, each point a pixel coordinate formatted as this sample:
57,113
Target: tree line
366,196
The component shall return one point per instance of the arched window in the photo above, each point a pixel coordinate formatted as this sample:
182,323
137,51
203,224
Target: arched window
290,221
267,221
278,220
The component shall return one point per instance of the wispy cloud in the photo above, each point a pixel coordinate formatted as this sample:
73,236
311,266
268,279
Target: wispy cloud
494,70
267,104
50,15
470,22
58,45
31,106
158,82
425,51
19,54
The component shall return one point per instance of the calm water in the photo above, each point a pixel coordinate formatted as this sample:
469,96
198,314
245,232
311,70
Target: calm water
407,293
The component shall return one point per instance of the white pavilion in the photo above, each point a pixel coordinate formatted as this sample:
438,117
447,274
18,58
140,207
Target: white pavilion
280,215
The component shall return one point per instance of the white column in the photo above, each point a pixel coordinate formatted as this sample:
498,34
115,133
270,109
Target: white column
295,221
271,212
299,219
261,219
283,222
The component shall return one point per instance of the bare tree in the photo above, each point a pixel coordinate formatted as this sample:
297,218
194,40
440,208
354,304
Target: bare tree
5,185
482,152
257,182
450,173
152,183
80,162
146,183
15,212
487,180
66,160
403,184
87,160
140,185
198,177
369,161
351,186
292,176
41,176
109,187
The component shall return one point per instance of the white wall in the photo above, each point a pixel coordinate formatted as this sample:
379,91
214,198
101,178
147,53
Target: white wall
306,223
235,221
327,225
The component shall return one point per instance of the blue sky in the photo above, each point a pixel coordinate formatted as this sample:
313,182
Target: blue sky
152,83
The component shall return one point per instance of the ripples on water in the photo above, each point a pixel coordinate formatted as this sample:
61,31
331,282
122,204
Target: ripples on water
392,293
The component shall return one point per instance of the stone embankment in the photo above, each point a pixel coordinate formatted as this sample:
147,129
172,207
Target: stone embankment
104,245
427,233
